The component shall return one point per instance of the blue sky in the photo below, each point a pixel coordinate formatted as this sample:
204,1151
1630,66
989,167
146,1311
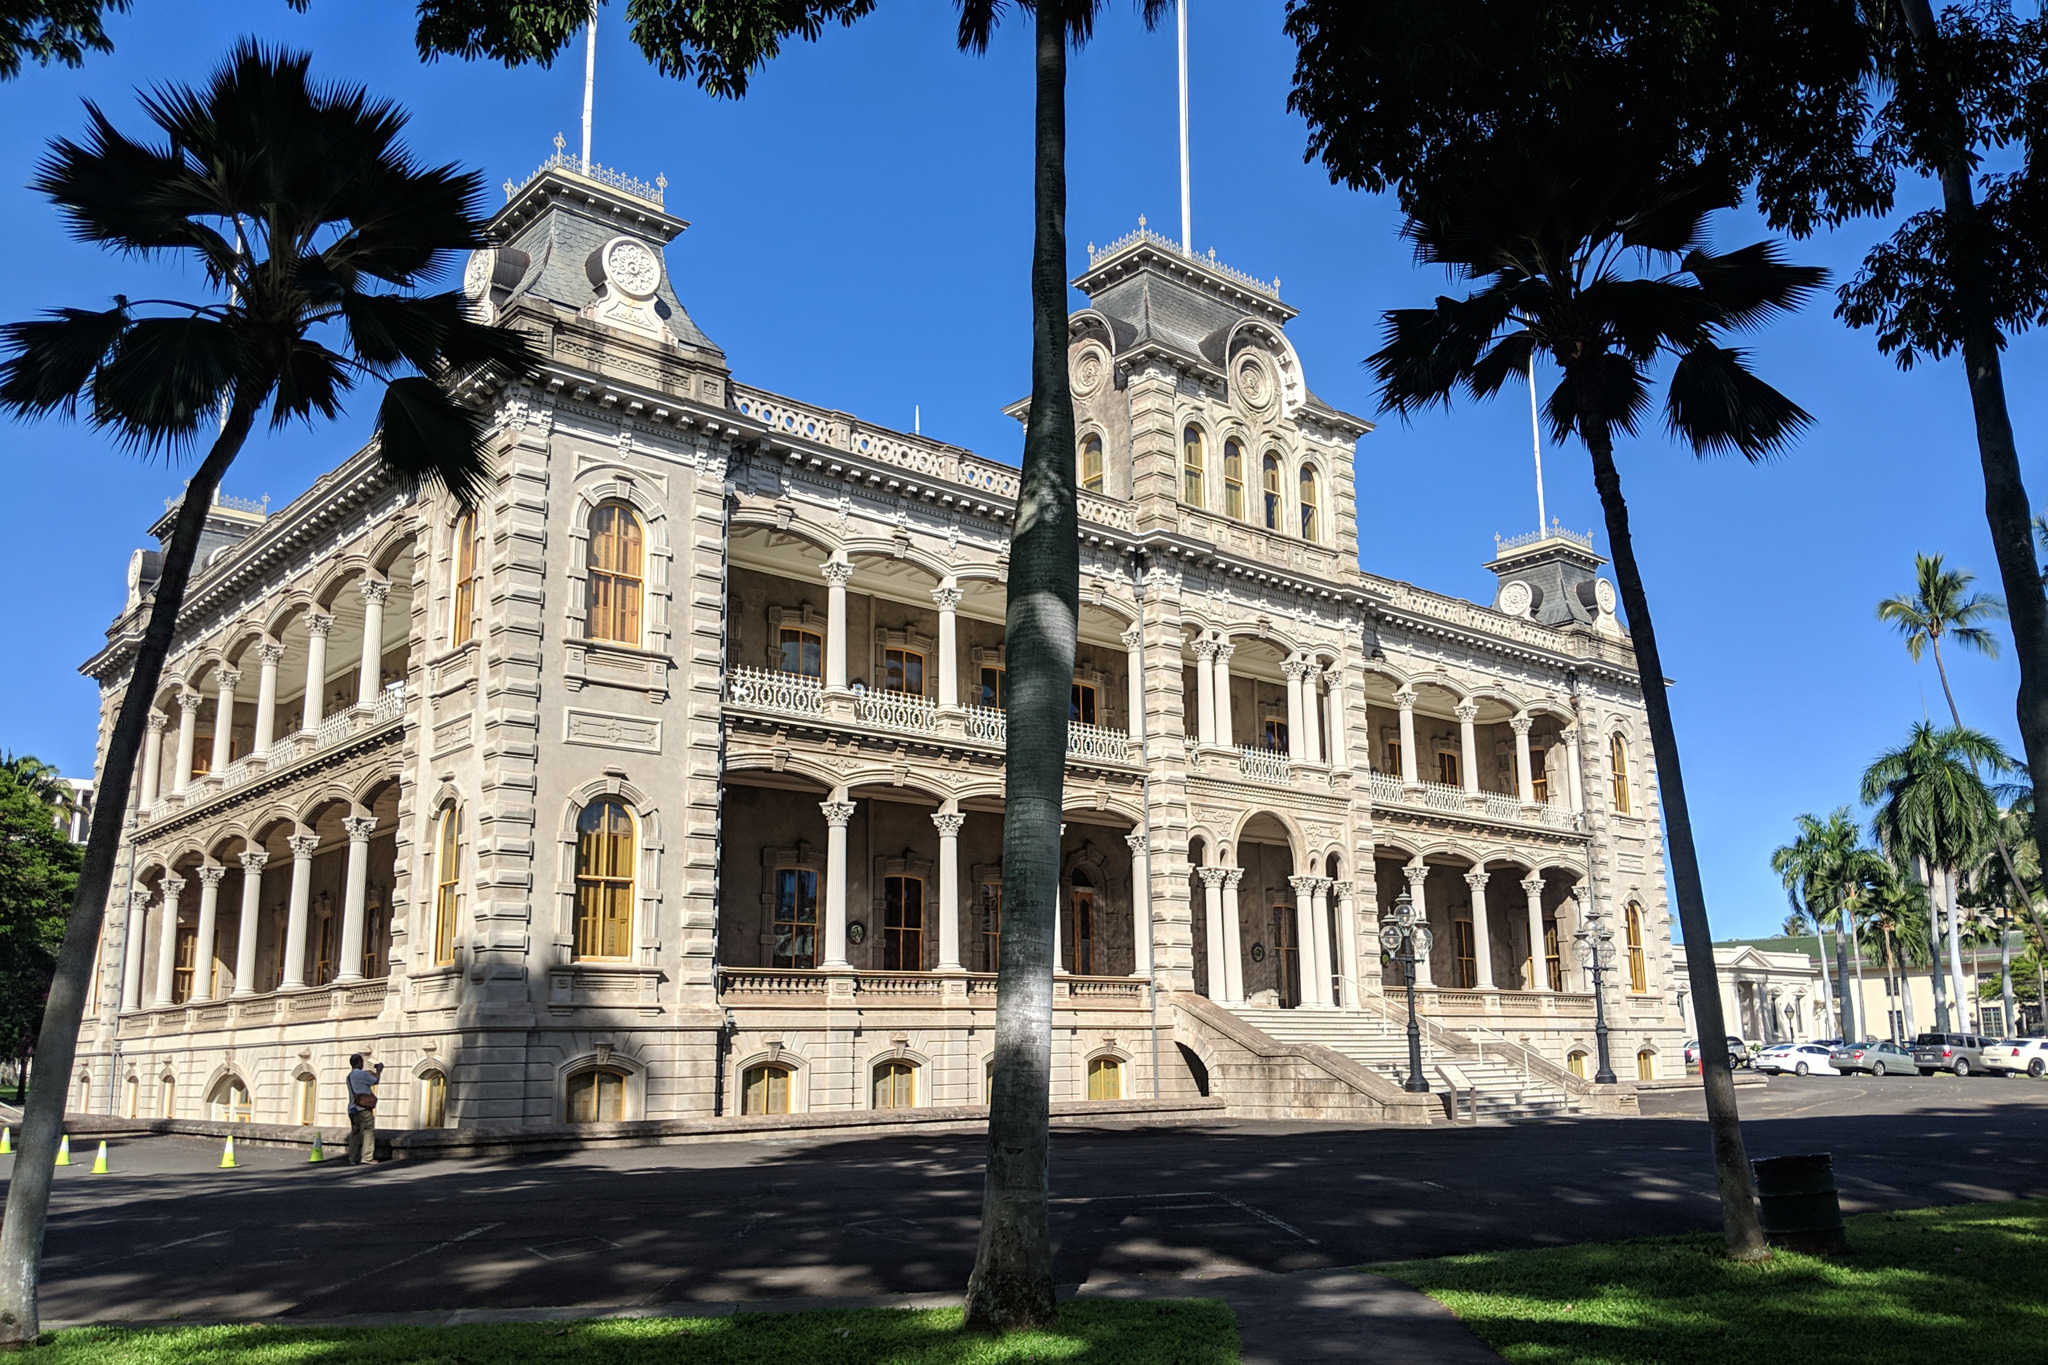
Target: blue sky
860,238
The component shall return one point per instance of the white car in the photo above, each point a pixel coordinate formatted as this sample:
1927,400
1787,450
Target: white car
1801,1059
2022,1056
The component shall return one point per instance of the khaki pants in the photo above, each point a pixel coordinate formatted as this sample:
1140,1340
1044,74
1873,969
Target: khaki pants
362,1136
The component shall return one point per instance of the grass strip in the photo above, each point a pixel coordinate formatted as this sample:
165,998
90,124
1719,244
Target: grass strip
1962,1283
1090,1332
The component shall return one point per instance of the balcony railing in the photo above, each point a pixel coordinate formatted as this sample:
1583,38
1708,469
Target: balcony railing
388,706
1501,806
1265,765
1386,789
789,694
987,724
897,711
1098,741
1442,796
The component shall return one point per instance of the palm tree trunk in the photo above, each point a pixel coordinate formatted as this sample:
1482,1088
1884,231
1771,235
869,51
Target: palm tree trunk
1011,1285
2007,509
42,1121
1955,948
1739,1225
1850,1005
1827,983
1934,982
1862,1022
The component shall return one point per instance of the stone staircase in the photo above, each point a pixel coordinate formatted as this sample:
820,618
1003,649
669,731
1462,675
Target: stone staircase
1502,1088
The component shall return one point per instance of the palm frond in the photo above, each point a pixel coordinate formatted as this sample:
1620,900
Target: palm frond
425,436
1749,285
1717,403
48,363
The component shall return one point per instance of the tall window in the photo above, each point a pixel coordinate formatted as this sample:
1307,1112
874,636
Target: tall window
1576,1063
308,1102
132,1090
597,1096
765,1090
1465,964
992,688
796,918
903,671
604,880
1646,1066
1311,504
1233,480
447,885
902,924
1082,706
1091,464
1447,771
170,1098
1269,494
1617,756
895,1086
433,1100
1105,1079
1539,780
1081,949
1288,951
1274,733
616,584
1192,459
182,972
991,908
462,611
803,651
1552,963
1638,969
1394,757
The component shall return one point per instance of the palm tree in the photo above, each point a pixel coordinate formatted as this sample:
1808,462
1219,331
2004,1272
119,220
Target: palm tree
1932,807
721,42
1941,606
1548,230
44,782
1802,866
312,230
1898,902
1796,924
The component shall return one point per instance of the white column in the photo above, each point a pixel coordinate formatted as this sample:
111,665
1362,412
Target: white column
1141,907
1134,673
1333,701
1305,936
359,828
224,719
1525,781
252,910
209,919
1297,746
1212,910
1468,748
1418,885
302,846
152,759
1571,758
314,709
133,929
837,813
1311,711
1405,699
1347,945
1226,729
1233,937
266,697
1482,934
1319,902
1205,692
836,576
167,941
949,889
188,731
1539,970
370,674
947,599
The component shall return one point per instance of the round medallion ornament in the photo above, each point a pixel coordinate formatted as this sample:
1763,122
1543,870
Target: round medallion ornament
1258,952
1603,593
476,277
632,268
1515,598
856,931
1254,383
1089,369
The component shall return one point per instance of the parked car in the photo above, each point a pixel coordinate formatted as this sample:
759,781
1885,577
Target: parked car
1738,1052
1881,1057
1961,1053
2011,1056
1801,1059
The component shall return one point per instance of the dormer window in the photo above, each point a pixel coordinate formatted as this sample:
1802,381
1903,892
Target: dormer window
1192,461
1091,465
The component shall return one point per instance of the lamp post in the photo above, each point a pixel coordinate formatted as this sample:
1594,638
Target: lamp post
1593,945
1405,938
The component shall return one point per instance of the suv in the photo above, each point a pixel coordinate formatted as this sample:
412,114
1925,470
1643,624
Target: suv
1961,1053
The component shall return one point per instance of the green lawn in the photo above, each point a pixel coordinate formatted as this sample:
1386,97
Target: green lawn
1090,1332
1961,1284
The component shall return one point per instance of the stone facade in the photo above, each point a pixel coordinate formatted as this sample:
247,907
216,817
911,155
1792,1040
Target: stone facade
670,783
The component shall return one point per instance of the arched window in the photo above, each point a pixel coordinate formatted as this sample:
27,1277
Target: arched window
765,1090
1617,756
1646,1065
597,1096
129,1110
1192,461
1081,948
170,1098
1638,969
604,881
307,1112
1105,1079
1576,1064
1269,484
1233,480
616,579
902,924
1091,464
462,608
433,1100
896,1086
447,885
1311,504
1464,963
230,1101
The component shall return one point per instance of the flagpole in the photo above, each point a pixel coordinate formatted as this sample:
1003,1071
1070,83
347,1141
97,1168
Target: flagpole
589,81
1187,230
1536,440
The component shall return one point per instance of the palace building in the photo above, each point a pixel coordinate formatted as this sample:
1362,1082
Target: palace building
668,783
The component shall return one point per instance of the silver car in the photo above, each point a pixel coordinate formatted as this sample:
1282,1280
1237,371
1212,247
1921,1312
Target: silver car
1962,1053
1882,1057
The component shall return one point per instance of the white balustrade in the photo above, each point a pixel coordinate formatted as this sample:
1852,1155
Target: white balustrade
389,706
1264,765
1502,806
987,724
334,730
764,689
897,711
1098,741
1440,796
1384,786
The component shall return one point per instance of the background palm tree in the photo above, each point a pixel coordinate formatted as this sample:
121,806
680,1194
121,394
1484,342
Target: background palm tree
44,781
1932,807
312,230
1942,607
1547,232
721,42
1898,911
1802,866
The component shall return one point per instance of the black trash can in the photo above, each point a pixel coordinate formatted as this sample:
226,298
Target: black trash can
1798,1203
